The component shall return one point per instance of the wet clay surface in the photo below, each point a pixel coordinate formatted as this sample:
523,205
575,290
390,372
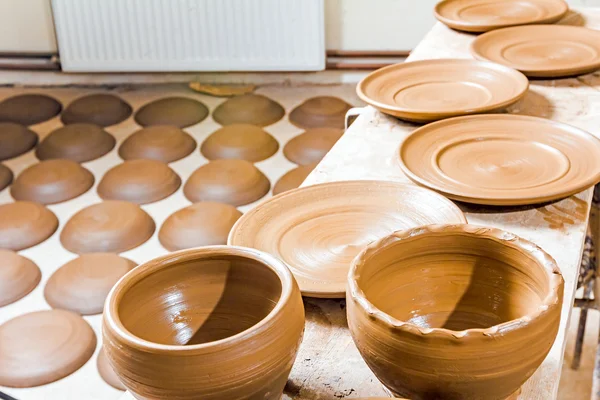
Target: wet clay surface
139,181
29,109
24,224
79,142
6,176
254,109
43,346
480,307
101,109
293,178
201,224
107,372
320,112
162,143
52,181
81,285
559,215
18,277
15,140
312,145
176,111
240,141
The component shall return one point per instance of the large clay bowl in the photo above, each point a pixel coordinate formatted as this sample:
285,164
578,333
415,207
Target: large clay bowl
454,311
208,323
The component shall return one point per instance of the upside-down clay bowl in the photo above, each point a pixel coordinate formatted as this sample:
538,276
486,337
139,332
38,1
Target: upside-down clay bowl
209,323
454,311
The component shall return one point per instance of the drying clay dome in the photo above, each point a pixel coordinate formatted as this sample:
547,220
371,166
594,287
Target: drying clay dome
106,371
15,140
77,142
24,224
254,109
29,109
6,176
162,143
311,146
293,178
176,111
18,277
320,112
240,141
100,109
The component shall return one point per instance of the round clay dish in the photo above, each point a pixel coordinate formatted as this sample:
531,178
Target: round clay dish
29,109
318,230
24,224
161,143
52,181
235,182
18,277
312,145
139,181
82,285
42,347
254,109
428,90
201,224
240,141
461,311
101,109
293,178
177,111
6,177
15,140
111,226
486,15
320,112
545,51
77,142
502,159
107,373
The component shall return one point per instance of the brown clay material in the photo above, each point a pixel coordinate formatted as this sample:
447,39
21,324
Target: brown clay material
176,111
545,51
293,178
139,181
201,224
43,347
222,90
29,109
235,182
502,159
240,141
24,224
320,112
254,109
454,311
18,277
428,90
237,322
161,143
52,181
312,145
77,142
486,15
15,140
82,285
6,177
101,109
107,373
317,230
110,226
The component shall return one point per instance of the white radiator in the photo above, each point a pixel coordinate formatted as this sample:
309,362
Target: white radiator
190,35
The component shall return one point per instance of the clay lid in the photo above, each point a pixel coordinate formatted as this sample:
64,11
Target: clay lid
320,112
24,224
201,224
18,277
254,109
77,142
43,347
162,143
240,141
101,109
177,111
235,182
6,176
52,181
15,140
293,178
29,109
139,181
106,371
312,145
82,285
110,226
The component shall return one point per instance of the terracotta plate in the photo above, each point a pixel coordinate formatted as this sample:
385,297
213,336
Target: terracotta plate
318,230
429,90
502,159
545,51
485,15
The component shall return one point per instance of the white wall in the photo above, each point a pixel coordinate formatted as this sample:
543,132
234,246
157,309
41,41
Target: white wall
26,27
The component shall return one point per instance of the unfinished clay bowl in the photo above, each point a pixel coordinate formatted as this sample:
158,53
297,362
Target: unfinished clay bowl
454,311
208,323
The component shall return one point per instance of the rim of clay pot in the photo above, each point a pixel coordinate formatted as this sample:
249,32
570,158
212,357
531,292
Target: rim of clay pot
146,269
543,259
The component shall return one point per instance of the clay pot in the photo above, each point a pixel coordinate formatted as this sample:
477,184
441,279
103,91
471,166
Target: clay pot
208,323
454,311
